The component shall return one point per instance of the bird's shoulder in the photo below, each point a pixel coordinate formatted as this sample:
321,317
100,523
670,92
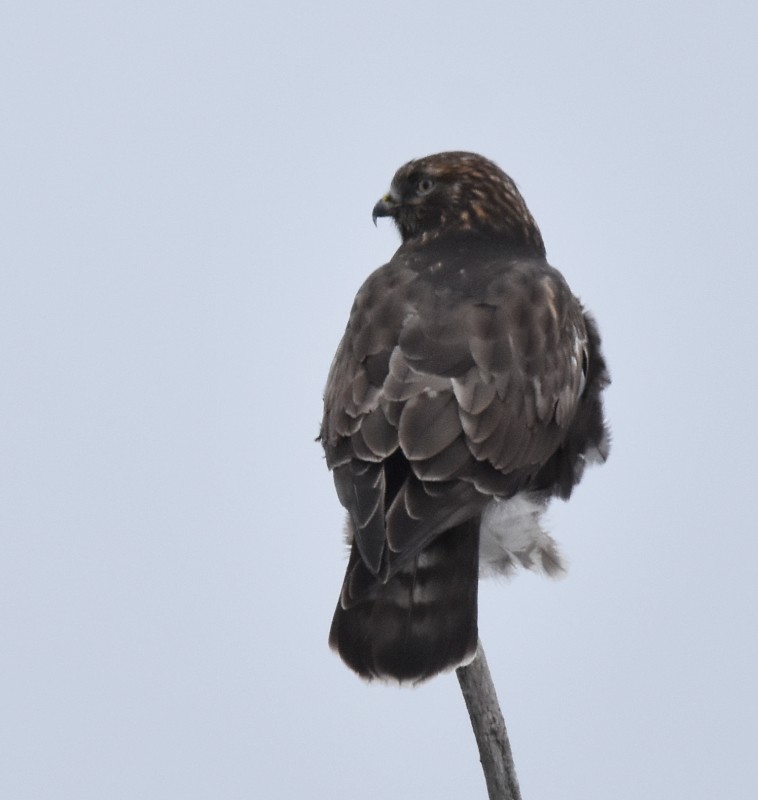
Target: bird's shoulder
443,280
465,319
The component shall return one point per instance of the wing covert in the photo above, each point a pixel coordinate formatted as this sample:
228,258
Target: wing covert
445,391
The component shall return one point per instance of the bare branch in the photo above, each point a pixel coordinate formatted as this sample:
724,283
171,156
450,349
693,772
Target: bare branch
489,728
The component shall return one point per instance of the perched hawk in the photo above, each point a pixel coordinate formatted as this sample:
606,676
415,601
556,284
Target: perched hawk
464,394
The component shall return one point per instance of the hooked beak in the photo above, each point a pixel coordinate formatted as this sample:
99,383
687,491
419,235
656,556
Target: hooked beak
386,207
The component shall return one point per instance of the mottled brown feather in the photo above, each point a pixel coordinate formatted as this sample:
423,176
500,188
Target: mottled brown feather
467,371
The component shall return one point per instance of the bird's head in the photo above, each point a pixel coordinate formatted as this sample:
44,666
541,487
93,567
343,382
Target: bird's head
457,191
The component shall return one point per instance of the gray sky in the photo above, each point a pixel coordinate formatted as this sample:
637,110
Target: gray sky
186,216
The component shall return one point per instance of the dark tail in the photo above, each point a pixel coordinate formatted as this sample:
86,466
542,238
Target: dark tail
421,621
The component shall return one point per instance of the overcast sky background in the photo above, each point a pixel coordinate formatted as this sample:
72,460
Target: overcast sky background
186,194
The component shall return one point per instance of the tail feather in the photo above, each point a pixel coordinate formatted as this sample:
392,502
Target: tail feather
422,621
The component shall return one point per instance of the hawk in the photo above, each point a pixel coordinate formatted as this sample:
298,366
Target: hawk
465,393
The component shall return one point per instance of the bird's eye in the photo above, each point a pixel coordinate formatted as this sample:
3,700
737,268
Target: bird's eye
425,185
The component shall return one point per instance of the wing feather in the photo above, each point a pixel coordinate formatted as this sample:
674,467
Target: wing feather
379,434
473,393
429,423
452,384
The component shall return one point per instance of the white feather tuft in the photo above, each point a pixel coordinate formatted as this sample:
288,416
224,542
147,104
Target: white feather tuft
511,536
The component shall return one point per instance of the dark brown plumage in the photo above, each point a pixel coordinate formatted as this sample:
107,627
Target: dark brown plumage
463,395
